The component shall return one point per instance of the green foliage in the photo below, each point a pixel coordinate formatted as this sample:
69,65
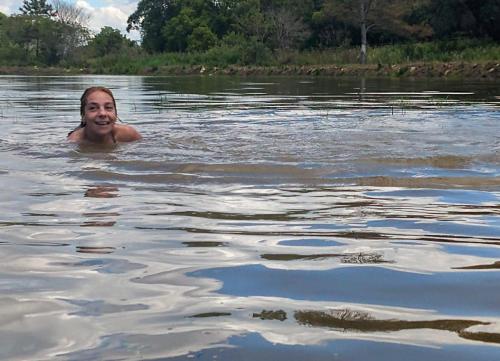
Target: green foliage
451,18
38,40
460,49
108,41
253,32
10,53
33,35
255,52
251,21
448,17
150,18
119,63
37,8
177,30
288,30
174,25
3,36
134,61
195,26
488,14
201,39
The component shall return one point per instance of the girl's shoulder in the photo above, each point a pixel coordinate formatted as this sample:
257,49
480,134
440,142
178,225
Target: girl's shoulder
126,133
75,135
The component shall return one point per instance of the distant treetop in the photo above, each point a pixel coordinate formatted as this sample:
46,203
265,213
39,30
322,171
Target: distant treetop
37,8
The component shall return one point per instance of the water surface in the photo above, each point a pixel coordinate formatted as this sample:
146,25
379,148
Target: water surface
259,218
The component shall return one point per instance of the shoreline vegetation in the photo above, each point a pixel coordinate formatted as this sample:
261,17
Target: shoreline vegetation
453,59
383,38
458,58
489,70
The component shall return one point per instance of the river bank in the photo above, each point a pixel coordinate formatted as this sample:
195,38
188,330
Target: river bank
452,70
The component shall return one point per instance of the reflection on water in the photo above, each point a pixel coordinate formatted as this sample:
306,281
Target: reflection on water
363,322
83,249
345,258
101,192
259,218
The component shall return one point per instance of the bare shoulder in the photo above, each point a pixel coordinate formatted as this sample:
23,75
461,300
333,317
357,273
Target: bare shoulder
75,136
126,133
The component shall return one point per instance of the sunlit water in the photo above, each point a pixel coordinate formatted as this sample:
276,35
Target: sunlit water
258,219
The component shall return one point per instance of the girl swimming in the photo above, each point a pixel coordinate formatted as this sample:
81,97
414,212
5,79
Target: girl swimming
98,120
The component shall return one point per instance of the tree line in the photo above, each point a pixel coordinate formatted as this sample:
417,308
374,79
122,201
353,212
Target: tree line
56,33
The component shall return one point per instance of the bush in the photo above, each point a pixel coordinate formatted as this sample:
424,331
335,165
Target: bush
451,50
13,55
255,52
223,55
201,39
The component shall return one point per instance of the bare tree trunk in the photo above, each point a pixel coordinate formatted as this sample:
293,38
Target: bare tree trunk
362,54
364,8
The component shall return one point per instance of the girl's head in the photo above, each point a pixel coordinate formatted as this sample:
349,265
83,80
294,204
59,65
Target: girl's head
84,100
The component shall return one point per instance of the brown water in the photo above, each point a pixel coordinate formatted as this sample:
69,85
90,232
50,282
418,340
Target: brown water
259,219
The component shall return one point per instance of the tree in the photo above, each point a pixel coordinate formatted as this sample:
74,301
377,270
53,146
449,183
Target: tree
36,12
73,29
223,17
287,29
201,39
40,39
108,41
487,13
354,11
250,20
328,32
150,18
364,8
70,13
10,53
37,36
451,18
388,16
177,30
37,8
3,21
192,28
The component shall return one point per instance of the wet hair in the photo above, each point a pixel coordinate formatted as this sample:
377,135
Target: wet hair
85,95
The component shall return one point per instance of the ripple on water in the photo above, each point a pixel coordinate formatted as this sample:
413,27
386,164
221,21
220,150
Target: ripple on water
452,293
277,218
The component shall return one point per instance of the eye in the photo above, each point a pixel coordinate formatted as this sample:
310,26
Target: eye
109,108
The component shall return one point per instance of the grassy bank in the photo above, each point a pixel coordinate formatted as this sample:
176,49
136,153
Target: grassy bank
461,58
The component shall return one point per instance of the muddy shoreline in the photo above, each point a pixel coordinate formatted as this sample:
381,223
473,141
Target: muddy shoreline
451,70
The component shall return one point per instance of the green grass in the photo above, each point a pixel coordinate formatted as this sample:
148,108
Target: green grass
443,51
467,50
457,50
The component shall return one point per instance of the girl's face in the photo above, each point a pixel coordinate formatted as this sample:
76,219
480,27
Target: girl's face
100,113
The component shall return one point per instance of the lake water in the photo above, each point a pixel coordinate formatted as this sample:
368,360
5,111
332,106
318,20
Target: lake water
258,219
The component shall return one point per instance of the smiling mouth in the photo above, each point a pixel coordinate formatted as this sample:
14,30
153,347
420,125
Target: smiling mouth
102,122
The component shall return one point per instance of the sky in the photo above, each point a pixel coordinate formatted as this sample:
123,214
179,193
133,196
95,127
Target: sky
112,13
